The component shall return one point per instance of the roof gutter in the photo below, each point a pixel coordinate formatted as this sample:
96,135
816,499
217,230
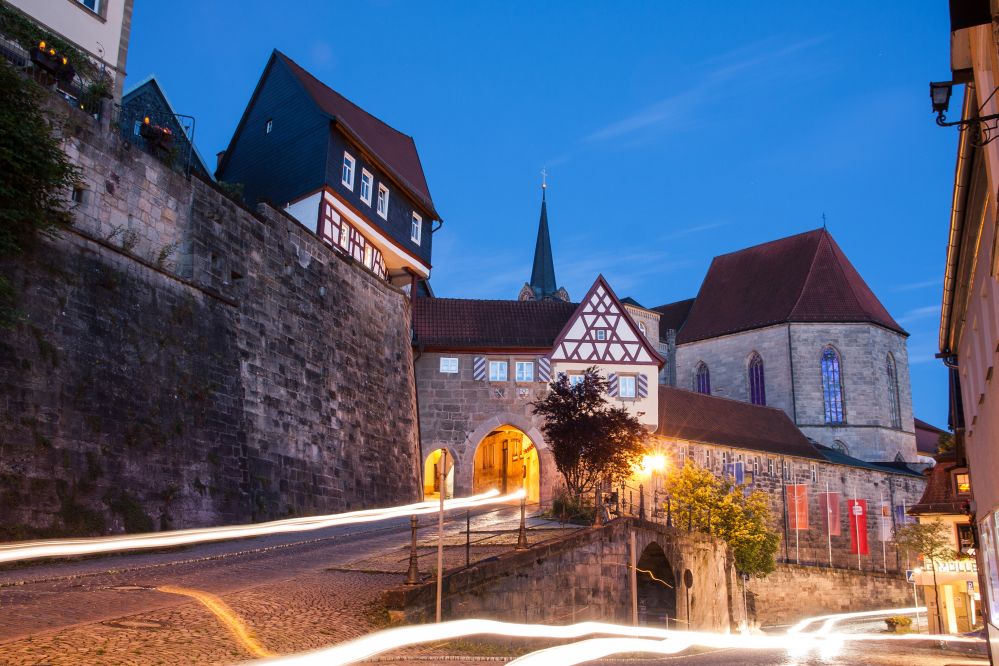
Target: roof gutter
962,179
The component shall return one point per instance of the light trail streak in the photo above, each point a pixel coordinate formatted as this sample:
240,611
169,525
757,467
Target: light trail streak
653,577
225,615
797,642
596,648
29,550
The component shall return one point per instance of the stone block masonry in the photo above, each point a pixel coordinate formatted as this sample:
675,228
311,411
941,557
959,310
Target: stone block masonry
212,365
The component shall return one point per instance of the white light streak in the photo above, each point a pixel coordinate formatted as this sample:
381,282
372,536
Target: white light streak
623,638
29,550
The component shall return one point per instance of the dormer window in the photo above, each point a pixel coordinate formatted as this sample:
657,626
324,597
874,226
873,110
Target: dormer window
367,182
347,178
416,230
269,127
962,483
383,195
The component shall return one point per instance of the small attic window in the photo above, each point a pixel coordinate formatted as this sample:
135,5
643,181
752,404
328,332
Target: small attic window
269,127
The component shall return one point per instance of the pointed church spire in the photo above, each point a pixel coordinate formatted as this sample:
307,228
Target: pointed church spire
542,285
543,272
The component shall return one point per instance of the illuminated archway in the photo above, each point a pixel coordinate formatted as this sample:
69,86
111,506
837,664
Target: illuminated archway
656,588
431,475
506,459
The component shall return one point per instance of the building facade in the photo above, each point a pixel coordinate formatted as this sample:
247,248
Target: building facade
99,28
344,174
969,322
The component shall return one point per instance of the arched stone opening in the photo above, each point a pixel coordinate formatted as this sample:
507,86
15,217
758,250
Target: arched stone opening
506,459
431,475
656,588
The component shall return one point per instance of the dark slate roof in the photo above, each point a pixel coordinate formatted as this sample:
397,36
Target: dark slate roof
395,151
461,323
927,437
543,271
673,315
840,458
628,300
939,496
722,421
801,278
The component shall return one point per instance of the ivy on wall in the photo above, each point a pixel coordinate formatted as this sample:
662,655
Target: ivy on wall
37,176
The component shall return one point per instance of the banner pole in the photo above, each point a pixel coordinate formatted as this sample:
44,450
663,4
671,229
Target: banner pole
829,524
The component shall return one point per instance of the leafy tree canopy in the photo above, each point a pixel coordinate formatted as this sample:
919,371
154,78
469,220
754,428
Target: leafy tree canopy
589,439
719,507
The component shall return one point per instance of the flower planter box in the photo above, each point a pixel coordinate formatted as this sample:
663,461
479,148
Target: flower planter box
160,138
53,65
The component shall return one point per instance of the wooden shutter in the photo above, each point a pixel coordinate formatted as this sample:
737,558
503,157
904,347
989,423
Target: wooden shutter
642,384
544,369
612,385
479,369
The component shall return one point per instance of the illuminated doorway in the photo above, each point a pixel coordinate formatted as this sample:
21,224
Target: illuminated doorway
506,459
432,476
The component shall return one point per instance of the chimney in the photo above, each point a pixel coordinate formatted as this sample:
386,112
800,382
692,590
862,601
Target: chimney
218,159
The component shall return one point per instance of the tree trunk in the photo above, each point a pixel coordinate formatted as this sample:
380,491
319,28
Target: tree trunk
936,595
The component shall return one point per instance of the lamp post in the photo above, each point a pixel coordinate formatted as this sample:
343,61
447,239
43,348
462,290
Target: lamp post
440,533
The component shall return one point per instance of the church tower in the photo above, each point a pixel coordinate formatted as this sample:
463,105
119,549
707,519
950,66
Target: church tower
542,285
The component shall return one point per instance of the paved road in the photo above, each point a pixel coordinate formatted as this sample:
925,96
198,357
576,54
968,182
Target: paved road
52,595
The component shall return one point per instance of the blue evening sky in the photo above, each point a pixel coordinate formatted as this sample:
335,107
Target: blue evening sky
672,131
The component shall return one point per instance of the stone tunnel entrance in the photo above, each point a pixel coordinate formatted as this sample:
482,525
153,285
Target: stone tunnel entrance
656,589
507,460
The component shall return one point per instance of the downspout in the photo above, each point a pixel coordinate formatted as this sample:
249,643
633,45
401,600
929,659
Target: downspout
962,178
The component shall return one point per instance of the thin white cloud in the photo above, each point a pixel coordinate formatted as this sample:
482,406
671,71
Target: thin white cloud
916,314
693,230
912,286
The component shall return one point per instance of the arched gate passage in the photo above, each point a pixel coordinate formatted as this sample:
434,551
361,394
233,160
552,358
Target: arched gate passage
656,588
506,460
431,475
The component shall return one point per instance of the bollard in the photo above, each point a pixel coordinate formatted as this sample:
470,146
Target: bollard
641,501
522,538
413,575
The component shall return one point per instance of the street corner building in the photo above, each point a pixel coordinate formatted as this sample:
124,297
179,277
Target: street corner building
785,373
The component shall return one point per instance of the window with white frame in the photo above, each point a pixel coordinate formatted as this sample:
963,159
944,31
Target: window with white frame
770,466
344,235
707,458
367,183
575,380
815,473
497,371
367,256
449,365
347,177
626,386
92,5
524,371
383,195
416,229
642,327
601,334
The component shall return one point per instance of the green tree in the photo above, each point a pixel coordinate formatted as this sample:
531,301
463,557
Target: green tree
37,175
932,542
720,507
589,440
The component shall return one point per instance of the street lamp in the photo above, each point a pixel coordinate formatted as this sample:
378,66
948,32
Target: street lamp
940,92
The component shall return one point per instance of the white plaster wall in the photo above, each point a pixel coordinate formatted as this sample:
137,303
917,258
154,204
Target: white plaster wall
645,409
81,26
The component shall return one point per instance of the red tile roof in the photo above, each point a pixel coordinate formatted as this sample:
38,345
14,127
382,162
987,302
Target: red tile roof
673,315
394,150
461,323
801,278
722,421
939,496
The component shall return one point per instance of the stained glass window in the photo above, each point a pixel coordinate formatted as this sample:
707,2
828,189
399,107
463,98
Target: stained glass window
893,404
832,386
702,379
757,389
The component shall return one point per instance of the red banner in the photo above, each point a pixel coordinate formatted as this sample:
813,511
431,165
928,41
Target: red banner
829,504
797,506
856,511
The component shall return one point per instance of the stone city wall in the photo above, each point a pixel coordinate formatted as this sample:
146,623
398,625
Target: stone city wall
184,361
777,599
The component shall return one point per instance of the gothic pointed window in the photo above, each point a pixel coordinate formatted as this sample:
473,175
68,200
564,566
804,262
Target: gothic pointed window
893,402
757,388
832,386
702,379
